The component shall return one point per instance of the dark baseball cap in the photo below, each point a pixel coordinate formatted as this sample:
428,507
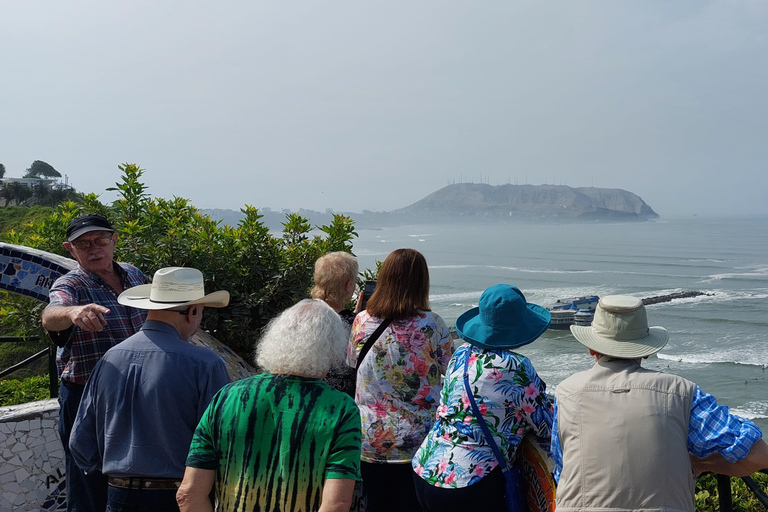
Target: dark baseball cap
85,224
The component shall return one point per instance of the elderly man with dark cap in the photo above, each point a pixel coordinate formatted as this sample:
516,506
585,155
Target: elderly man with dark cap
629,438
145,397
85,320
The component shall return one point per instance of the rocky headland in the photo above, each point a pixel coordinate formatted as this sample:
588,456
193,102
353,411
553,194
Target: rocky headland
531,202
473,202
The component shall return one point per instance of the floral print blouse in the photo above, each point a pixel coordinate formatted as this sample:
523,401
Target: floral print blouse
398,383
513,402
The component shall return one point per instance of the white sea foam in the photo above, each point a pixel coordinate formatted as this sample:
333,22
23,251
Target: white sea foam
367,252
751,273
419,236
439,267
752,410
756,354
559,271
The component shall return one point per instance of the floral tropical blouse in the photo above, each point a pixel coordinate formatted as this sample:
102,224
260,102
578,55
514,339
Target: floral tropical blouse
513,402
398,384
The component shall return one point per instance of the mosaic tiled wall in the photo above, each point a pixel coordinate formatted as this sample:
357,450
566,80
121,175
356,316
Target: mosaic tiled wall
29,272
32,459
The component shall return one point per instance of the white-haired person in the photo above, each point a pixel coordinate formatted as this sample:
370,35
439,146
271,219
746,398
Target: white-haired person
146,395
283,439
335,282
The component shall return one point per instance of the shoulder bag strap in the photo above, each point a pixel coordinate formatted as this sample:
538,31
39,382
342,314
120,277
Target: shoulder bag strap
371,340
480,421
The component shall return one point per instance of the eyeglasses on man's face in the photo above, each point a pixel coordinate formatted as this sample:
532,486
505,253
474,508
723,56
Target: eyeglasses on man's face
86,244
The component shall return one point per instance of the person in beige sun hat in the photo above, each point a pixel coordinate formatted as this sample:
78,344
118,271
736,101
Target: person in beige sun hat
629,438
144,399
620,329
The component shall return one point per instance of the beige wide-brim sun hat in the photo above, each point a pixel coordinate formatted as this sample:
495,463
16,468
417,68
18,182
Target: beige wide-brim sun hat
620,329
173,287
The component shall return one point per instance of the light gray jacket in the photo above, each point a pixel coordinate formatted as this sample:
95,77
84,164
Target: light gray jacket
624,434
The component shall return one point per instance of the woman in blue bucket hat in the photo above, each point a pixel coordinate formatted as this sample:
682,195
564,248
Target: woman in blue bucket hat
457,465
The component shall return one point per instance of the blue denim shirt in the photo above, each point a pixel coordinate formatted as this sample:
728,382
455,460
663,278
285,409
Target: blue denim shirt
142,404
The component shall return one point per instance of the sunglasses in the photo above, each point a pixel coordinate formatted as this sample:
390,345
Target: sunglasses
85,244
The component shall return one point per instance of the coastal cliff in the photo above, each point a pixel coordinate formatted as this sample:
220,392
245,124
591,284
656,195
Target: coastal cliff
473,202
531,202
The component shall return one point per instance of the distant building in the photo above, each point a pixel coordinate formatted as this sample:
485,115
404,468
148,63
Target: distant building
53,184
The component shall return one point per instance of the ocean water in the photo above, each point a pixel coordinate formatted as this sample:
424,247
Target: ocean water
720,341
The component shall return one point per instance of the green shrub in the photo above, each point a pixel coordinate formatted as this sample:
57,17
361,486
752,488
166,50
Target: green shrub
14,392
20,218
708,499
264,274
20,317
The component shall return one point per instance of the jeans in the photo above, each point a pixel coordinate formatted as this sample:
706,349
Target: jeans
141,500
85,493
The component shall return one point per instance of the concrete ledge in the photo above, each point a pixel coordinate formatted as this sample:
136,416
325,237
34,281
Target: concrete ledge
32,458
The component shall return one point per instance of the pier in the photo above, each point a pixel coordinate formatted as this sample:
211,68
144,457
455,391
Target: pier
672,296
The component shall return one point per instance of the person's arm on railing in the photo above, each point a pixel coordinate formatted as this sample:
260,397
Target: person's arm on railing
756,460
721,442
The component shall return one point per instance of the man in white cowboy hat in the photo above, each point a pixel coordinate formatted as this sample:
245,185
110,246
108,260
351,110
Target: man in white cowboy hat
629,438
144,399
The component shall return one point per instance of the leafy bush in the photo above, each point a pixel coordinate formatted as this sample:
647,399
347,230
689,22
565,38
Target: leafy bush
263,273
708,499
21,218
14,392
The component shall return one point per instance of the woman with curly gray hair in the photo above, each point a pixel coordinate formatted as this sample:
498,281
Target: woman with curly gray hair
287,438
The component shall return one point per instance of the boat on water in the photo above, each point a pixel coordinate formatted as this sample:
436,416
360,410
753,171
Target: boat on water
572,311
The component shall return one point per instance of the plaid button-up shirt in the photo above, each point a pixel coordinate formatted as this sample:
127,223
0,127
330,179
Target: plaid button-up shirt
83,349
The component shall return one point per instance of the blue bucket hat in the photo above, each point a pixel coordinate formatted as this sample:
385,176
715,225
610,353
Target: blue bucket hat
503,320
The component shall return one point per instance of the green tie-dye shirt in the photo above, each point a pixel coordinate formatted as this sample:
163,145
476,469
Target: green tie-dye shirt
273,440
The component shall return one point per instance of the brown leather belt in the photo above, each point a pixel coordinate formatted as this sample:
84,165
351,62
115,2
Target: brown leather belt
150,484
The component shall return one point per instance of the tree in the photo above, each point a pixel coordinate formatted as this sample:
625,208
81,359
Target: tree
2,170
41,191
5,193
16,191
40,169
264,274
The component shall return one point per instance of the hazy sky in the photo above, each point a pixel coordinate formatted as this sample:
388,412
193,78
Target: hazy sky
371,104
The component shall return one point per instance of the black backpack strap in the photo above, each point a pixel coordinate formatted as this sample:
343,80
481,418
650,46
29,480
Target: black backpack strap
370,341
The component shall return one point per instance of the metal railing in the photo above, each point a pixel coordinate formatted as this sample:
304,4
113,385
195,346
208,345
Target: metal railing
53,381
724,491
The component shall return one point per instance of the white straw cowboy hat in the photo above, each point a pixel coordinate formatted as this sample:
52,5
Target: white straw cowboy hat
173,287
620,329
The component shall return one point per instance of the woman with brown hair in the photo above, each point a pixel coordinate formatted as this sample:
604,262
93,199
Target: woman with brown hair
398,379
